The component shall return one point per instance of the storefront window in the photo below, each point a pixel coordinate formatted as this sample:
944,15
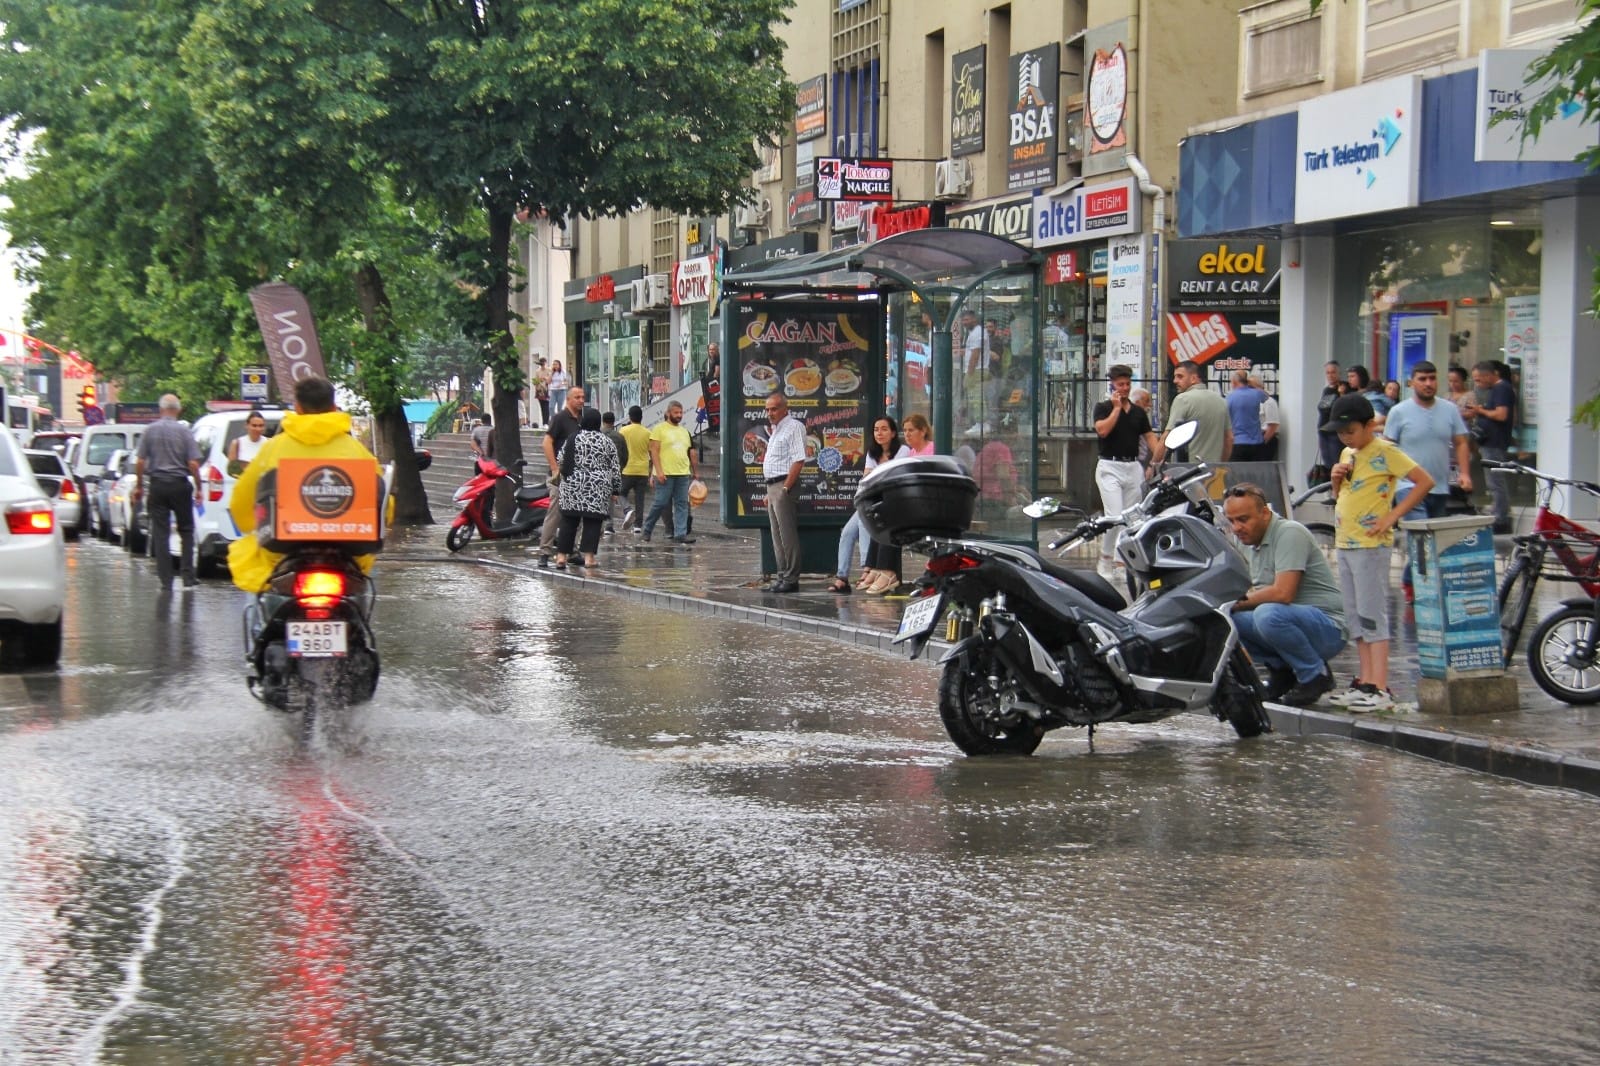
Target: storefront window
1074,340
611,370
1457,292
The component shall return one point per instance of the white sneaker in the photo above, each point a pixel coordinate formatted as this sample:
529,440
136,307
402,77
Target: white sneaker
1354,692
1379,699
627,519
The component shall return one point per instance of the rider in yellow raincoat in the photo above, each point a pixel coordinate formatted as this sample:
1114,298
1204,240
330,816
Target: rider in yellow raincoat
316,430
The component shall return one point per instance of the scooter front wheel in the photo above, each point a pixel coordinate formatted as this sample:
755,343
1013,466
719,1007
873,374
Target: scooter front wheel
459,536
1238,698
969,707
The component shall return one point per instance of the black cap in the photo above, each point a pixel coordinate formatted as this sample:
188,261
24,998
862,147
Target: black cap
1353,409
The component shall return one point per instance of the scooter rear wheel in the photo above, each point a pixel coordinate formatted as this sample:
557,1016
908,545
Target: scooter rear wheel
966,705
459,537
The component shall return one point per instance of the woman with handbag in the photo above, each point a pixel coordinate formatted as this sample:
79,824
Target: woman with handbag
590,476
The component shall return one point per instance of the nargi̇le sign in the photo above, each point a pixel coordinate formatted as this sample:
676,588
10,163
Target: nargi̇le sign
854,179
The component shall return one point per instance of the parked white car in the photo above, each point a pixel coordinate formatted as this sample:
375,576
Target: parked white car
213,526
56,480
33,563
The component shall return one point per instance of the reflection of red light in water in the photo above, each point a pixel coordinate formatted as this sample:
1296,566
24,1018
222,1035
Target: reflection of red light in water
319,1020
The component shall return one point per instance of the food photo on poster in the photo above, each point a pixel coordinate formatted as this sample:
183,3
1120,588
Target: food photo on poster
817,357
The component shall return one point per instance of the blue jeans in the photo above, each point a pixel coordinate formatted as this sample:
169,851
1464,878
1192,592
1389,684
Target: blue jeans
676,491
1434,505
1300,637
852,540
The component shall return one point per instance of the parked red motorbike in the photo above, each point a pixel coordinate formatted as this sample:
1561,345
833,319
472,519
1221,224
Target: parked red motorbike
476,500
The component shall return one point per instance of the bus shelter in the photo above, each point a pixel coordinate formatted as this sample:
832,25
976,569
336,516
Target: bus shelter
942,323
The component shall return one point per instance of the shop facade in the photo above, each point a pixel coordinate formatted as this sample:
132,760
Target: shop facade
1414,229
605,340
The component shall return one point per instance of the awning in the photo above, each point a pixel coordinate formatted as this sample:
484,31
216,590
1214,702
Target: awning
941,257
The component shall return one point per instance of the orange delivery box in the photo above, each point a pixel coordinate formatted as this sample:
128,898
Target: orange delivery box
336,502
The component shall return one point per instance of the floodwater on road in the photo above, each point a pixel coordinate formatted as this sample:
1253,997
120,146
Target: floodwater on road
574,830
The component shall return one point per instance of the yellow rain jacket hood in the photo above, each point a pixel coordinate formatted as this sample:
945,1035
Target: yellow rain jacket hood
318,436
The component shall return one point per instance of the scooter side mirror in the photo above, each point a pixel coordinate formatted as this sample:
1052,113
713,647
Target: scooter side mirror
424,459
1043,507
1181,434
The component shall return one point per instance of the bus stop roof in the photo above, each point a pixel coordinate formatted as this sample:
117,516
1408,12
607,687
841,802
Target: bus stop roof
940,256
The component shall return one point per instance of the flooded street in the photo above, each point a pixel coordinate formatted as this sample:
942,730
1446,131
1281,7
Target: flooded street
574,830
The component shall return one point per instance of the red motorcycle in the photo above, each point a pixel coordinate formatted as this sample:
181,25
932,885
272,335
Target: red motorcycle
476,500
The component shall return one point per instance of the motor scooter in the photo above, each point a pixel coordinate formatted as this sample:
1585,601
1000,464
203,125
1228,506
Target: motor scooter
476,500
308,638
1035,646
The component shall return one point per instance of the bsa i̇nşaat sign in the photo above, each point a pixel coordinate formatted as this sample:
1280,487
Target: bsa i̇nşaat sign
1034,80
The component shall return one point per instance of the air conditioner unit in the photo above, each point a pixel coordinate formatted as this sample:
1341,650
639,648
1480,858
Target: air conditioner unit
952,179
638,295
658,287
751,216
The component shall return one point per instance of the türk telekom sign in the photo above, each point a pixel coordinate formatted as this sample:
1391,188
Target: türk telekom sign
1089,212
694,281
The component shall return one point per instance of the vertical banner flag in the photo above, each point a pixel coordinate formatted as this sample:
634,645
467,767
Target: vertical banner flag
289,333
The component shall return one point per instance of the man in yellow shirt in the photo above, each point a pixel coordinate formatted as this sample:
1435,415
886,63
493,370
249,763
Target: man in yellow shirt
316,430
636,471
671,468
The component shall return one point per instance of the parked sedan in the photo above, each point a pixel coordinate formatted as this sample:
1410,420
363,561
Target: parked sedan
33,563
56,480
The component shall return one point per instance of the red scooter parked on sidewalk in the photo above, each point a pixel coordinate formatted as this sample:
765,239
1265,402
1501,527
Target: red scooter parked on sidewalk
476,500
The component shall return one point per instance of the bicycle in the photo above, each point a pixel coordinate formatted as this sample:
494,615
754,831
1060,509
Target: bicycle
1562,647
1321,532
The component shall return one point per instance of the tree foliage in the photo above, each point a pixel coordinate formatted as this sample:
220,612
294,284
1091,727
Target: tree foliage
1574,67
483,108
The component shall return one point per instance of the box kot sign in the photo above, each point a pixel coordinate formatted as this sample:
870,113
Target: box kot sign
854,179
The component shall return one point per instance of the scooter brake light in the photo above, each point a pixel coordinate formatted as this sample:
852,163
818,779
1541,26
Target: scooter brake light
954,563
318,588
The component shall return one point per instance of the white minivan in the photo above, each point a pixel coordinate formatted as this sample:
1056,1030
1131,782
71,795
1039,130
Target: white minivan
89,462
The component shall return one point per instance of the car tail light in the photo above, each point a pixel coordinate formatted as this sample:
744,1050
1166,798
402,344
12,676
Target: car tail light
318,588
945,565
31,516
213,479
69,491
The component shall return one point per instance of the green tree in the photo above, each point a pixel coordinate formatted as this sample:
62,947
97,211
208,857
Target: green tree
481,109
1574,66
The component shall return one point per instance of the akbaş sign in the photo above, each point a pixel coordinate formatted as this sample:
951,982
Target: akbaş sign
1356,151
1505,94
1086,213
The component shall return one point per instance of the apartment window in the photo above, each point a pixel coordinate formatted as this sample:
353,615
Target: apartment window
1402,35
1283,54
663,241
857,43
1533,19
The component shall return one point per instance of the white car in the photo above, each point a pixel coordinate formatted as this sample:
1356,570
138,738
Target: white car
213,525
88,462
33,563
56,480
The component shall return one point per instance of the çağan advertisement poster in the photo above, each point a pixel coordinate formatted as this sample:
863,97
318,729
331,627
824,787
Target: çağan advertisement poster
820,357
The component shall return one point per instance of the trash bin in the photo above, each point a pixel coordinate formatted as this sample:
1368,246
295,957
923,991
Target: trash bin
1457,616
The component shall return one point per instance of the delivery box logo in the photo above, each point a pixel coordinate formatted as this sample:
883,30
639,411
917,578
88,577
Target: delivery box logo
326,500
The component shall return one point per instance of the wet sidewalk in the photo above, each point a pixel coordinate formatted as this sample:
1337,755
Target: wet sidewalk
1543,741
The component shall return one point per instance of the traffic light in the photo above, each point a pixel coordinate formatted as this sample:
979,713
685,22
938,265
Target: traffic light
87,397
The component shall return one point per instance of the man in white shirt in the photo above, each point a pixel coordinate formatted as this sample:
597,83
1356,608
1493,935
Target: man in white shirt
974,349
786,454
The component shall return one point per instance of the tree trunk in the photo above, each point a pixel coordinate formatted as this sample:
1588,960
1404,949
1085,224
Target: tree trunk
503,357
391,435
